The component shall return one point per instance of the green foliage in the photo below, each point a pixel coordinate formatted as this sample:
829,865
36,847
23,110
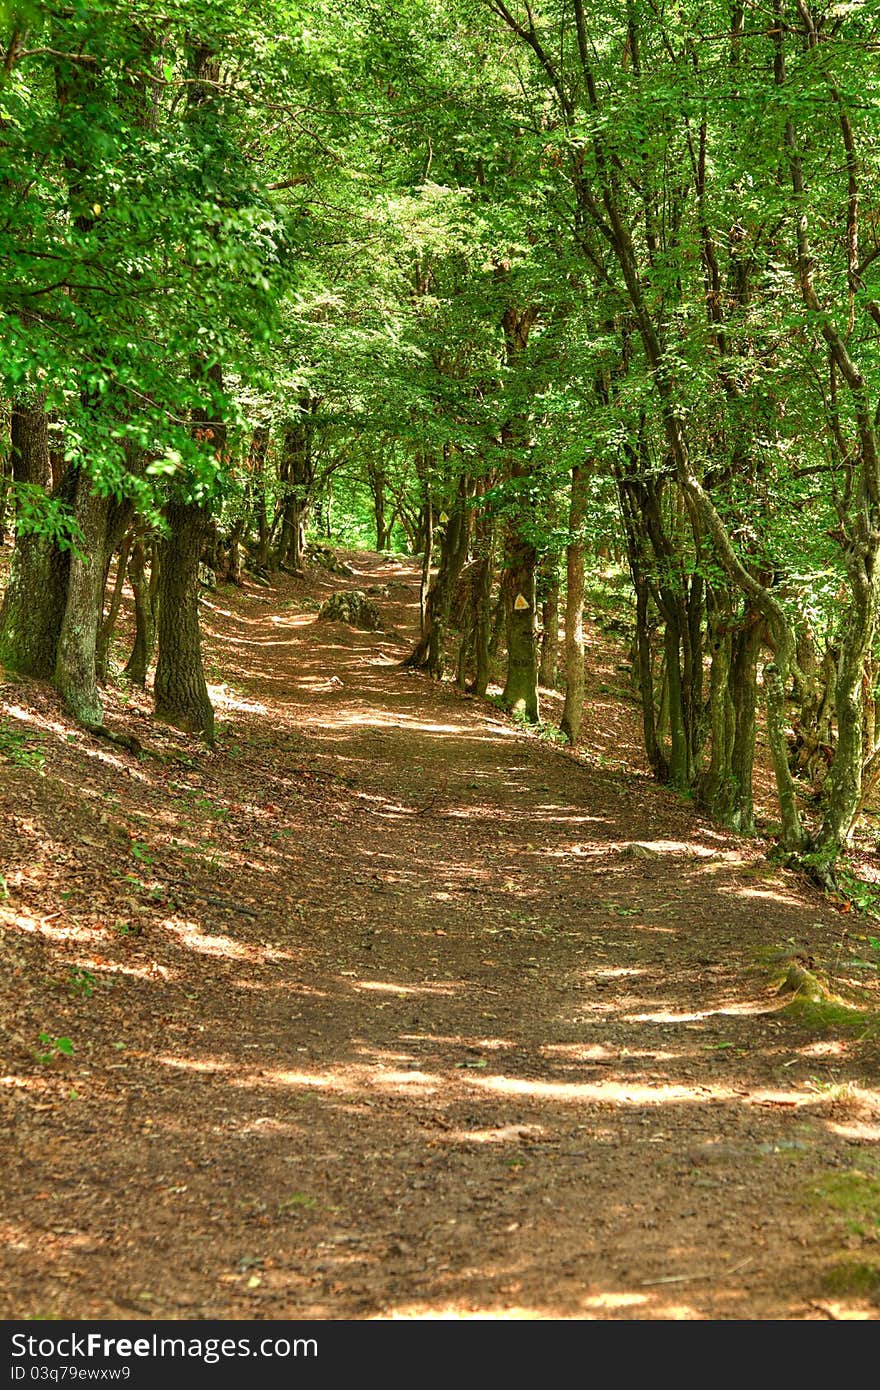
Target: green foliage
38,514
53,1049
326,222
134,241
16,747
862,895
82,983
550,733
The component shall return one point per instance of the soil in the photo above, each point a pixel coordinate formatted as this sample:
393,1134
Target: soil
384,1008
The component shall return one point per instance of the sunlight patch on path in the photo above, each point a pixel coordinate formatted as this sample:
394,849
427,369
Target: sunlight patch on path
624,1093
375,719
391,987
454,1313
746,1010
223,697
776,895
361,1079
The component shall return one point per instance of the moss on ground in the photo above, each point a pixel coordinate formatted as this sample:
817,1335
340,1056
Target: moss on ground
858,1278
832,1015
854,1192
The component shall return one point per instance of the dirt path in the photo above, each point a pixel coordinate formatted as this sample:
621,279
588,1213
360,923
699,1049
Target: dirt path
384,1009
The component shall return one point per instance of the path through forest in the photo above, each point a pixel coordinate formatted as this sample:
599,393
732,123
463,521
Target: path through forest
386,1009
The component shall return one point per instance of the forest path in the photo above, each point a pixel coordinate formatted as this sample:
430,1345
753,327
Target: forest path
417,1016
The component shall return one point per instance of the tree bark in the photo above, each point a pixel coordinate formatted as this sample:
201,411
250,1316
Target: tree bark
572,711
298,473
520,695
145,596
76,678
485,546
259,449
180,689
548,668
376,476
33,603
430,651
108,627
427,558
844,788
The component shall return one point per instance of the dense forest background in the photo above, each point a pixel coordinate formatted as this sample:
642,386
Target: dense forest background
534,292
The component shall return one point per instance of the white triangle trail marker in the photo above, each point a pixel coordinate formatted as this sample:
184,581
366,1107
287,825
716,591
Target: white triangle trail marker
520,603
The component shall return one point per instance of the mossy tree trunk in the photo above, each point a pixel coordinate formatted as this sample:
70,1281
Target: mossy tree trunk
76,675
844,786
5,487
725,787
33,602
181,691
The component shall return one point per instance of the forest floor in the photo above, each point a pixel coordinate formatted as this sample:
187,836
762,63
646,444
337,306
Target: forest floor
383,1008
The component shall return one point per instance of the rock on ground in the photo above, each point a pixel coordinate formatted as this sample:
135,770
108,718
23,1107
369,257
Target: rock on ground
351,606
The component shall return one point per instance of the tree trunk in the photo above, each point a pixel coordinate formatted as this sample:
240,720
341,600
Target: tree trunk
259,449
520,694
793,837
725,787
455,550
5,484
377,484
233,555
33,604
145,595
105,637
572,711
427,558
714,783
485,545
298,472
679,755
845,782
76,677
548,669
744,690
180,689
430,651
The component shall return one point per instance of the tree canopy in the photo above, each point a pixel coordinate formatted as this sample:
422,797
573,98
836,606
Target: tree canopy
505,285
